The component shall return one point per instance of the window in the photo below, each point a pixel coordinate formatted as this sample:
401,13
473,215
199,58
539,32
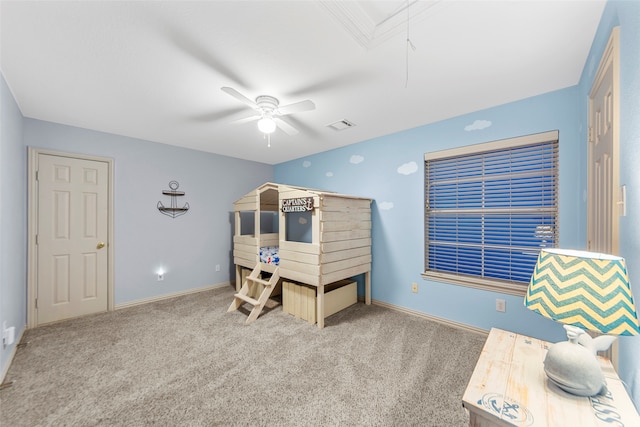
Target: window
489,209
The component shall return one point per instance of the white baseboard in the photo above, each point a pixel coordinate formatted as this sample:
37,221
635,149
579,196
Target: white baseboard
447,322
172,295
5,368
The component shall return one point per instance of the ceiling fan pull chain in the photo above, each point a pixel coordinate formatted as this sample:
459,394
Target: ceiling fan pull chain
409,45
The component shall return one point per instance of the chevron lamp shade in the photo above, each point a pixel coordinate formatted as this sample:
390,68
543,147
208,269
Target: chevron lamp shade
583,289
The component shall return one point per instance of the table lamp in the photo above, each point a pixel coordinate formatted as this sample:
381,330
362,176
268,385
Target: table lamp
582,290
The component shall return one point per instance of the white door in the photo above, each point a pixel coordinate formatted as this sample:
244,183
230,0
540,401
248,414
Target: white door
604,157
72,231
602,168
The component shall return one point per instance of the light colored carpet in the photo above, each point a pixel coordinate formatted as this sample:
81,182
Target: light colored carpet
186,362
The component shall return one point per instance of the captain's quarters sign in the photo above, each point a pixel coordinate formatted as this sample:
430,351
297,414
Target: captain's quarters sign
298,204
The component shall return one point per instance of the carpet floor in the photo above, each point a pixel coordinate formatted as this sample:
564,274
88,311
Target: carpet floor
185,361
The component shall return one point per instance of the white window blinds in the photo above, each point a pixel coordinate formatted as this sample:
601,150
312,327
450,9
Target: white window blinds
491,207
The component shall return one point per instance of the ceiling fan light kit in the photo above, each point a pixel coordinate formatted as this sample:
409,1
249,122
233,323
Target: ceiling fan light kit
266,125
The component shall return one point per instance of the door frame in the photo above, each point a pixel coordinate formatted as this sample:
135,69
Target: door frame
32,228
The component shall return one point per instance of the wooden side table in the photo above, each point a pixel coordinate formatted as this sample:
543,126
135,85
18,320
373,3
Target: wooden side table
509,387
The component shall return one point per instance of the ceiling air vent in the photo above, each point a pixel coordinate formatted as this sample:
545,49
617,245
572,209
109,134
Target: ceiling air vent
341,125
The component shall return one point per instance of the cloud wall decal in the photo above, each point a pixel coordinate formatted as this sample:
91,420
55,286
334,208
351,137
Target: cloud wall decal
478,125
355,159
408,168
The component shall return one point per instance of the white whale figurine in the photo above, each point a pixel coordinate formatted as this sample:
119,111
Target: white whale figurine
572,365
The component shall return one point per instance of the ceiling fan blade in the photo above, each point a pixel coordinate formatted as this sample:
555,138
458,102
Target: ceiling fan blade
296,107
214,116
246,120
200,52
240,97
301,126
285,127
334,82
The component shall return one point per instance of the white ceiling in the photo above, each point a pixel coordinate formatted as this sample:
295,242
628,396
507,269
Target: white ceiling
153,69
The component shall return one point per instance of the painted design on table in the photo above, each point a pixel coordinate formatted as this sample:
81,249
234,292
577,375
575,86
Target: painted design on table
605,410
506,409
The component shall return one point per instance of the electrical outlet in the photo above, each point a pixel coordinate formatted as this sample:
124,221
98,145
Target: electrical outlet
414,288
8,334
217,267
501,305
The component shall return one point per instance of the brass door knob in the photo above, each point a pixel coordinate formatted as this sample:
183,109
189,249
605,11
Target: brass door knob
100,245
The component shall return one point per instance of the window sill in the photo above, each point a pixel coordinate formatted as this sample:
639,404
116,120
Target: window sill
477,283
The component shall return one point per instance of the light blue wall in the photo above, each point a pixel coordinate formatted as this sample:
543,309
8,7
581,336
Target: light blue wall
187,247
390,169
13,220
626,15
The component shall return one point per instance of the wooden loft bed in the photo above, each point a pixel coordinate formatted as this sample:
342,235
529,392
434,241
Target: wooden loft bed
310,236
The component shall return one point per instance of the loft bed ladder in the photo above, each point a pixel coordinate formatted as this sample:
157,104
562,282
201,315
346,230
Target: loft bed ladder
243,295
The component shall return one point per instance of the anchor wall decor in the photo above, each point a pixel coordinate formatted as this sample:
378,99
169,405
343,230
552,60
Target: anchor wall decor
173,210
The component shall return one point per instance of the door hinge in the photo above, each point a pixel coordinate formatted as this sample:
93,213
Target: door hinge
36,302
37,176
36,239
590,136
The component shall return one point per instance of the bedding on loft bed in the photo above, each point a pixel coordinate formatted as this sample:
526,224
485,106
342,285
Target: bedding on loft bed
269,255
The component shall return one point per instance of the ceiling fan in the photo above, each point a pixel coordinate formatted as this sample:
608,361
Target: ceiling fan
269,112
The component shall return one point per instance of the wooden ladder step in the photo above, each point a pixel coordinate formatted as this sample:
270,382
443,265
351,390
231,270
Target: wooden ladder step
247,298
259,303
257,280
